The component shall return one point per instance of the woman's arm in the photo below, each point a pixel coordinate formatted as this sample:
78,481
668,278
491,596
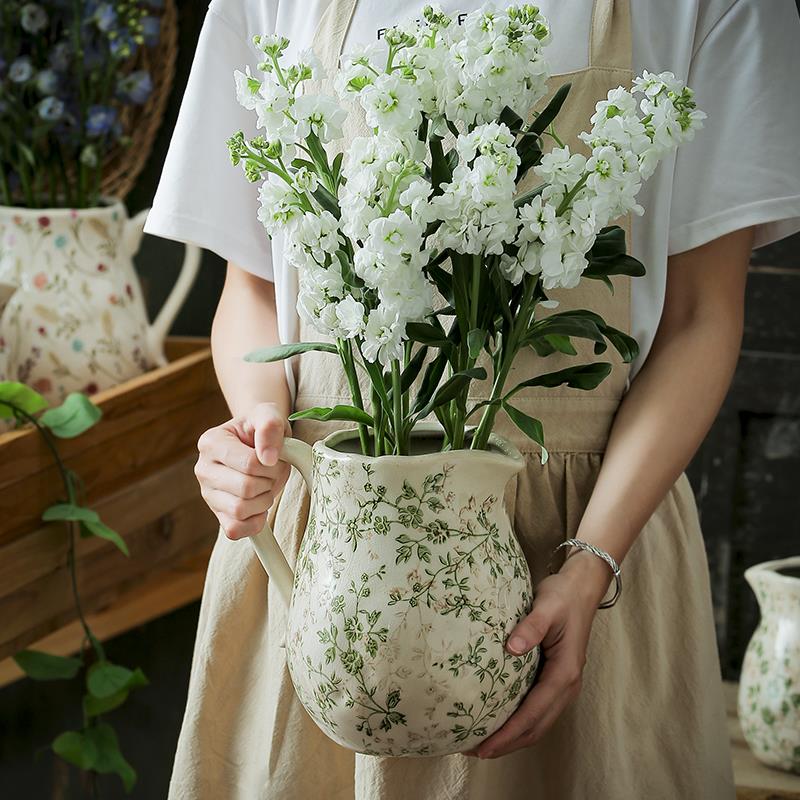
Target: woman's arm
238,468
659,425
246,319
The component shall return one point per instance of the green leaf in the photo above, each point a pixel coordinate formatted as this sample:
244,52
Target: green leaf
542,122
610,241
339,412
27,152
69,511
102,531
297,163
530,426
94,706
427,334
583,376
412,369
105,679
327,201
336,169
566,325
614,265
109,758
452,387
75,748
475,341
624,344
510,118
440,168
74,416
46,667
21,396
281,351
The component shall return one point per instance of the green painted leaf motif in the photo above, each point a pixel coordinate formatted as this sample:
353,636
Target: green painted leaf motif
21,396
74,416
46,667
75,749
105,679
282,351
102,531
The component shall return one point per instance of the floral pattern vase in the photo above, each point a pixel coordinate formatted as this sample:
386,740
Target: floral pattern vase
769,687
408,580
72,314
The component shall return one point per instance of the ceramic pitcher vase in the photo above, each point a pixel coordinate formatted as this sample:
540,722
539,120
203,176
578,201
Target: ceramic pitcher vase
408,580
769,687
72,314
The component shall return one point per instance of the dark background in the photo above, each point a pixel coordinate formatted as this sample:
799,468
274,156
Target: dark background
745,477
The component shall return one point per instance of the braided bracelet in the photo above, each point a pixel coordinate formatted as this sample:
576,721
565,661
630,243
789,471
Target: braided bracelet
579,543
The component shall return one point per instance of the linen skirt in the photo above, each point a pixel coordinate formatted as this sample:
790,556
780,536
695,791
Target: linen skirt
650,718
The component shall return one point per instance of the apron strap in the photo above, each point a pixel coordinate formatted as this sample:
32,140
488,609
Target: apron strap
331,31
610,43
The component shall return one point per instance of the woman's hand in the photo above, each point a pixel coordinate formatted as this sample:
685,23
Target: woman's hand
560,620
239,471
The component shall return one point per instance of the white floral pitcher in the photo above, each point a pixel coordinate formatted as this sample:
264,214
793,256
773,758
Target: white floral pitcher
769,687
72,314
408,580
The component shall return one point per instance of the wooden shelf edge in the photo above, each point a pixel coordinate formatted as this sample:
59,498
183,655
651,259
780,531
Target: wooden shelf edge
167,591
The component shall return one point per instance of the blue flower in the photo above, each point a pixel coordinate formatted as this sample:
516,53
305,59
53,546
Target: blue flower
33,18
50,108
21,70
136,86
60,240
77,345
122,46
151,30
47,81
105,17
100,120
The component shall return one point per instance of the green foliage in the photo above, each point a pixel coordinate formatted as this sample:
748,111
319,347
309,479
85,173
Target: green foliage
46,667
282,351
95,746
339,412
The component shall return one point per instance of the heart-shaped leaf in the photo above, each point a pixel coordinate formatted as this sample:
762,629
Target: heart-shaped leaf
46,667
21,396
74,416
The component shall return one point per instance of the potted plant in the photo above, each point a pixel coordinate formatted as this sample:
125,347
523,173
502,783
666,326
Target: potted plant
423,266
75,82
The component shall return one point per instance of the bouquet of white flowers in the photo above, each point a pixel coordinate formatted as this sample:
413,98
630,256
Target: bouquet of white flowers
381,230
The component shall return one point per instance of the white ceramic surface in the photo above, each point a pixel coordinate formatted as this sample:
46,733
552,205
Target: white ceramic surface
408,580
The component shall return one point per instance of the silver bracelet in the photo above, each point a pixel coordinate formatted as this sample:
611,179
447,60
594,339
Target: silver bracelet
579,543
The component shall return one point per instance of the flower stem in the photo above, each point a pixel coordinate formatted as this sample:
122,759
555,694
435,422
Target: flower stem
400,448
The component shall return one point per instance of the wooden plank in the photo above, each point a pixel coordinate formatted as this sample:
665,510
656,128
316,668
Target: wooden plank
44,550
47,604
104,467
754,780
156,596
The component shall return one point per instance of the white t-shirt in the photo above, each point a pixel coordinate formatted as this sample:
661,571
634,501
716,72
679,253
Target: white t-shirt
742,58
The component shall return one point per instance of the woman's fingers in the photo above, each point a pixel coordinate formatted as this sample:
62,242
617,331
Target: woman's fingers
216,475
239,517
269,429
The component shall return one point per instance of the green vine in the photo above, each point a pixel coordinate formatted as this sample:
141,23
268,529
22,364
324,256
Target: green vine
94,746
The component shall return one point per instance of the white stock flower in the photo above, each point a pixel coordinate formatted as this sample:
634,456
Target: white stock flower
350,314
318,113
383,336
392,104
279,204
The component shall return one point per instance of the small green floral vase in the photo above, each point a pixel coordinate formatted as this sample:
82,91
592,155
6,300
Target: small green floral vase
408,581
769,687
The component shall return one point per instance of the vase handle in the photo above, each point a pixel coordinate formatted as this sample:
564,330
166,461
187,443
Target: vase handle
158,330
299,455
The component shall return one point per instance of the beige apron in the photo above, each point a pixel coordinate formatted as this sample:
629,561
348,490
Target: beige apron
649,721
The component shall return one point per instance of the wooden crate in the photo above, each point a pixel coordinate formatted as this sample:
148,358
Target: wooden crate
137,466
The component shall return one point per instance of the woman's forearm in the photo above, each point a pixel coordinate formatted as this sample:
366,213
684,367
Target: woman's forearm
245,320
670,406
